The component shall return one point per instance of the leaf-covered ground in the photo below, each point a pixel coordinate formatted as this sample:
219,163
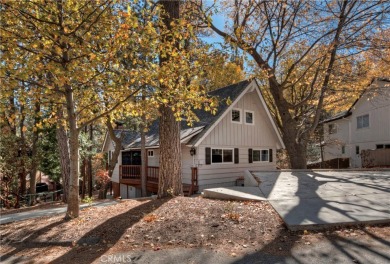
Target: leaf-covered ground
235,228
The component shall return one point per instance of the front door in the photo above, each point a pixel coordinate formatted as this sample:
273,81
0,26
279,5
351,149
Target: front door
132,157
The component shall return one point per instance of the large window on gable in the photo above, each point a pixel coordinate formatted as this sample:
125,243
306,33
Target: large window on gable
259,155
236,116
363,121
222,156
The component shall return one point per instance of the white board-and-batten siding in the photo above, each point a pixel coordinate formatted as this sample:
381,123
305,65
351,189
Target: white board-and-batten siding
227,134
377,107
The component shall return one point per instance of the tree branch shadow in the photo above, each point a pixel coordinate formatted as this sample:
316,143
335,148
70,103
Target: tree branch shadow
30,243
277,251
95,236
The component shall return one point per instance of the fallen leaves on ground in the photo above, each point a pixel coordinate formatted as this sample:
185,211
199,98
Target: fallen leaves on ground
233,227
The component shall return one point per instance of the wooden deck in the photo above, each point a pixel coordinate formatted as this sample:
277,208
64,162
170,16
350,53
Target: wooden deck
131,175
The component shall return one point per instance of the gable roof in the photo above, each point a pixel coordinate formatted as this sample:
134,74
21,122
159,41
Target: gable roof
348,112
207,118
193,135
247,85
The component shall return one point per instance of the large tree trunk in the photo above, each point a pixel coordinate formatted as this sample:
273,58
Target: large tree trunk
73,197
295,143
63,150
296,151
170,182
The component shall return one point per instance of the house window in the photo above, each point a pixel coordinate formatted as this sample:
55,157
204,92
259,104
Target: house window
363,121
342,149
222,155
259,155
332,128
387,146
357,150
150,153
236,115
249,117
380,146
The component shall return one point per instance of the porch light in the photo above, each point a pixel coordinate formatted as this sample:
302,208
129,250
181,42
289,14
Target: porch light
192,151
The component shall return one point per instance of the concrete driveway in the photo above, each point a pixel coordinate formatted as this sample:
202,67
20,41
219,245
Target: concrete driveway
314,199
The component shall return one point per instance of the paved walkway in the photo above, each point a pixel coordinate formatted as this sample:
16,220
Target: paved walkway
4,219
312,199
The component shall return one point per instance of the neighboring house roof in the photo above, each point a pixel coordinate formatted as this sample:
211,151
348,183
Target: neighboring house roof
337,116
193,135
347,113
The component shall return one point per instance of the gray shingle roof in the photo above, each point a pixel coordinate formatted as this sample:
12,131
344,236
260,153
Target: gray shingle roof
198,129
128,136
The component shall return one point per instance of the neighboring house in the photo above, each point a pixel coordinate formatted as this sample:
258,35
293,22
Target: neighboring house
216,150
365,126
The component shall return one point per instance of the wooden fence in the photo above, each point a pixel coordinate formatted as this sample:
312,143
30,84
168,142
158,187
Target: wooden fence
375,158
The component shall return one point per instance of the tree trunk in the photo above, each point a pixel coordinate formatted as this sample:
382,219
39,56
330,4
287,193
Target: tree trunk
34,170
63,150
73,197
296,152
23,153
169,182
118,146
144,158
294,140
83,176
90,164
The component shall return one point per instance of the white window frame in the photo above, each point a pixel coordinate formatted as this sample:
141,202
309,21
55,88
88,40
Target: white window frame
150,152
260,161
357,122
211,156
253,117
231,116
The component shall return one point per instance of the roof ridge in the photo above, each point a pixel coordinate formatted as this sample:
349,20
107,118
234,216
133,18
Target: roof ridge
233,84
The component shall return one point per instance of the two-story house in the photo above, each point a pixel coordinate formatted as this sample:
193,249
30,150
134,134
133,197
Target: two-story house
365,125
216,150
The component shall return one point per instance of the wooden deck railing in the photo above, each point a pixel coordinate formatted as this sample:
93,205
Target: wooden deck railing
132,175
130,171
152,174
134,172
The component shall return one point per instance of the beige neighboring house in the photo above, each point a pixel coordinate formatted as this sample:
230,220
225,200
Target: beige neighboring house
216,150
365,126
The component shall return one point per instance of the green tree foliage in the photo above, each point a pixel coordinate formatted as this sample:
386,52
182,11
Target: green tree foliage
50,163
